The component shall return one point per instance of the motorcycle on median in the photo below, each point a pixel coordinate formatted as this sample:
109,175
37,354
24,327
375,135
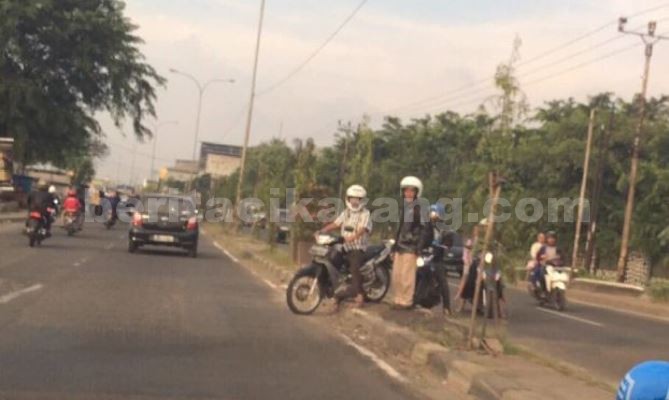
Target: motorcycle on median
431,282
328,274
556,278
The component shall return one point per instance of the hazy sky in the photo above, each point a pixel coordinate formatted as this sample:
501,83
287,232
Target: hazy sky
393,54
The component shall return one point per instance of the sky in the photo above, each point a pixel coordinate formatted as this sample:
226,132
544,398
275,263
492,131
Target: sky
405,58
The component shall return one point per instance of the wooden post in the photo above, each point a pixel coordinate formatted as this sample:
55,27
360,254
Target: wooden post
490,227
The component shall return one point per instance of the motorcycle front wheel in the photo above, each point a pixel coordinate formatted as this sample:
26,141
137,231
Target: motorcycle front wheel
378,289
304,294
560,300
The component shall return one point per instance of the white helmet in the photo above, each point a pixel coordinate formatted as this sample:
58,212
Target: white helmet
355,191
52,189
411,181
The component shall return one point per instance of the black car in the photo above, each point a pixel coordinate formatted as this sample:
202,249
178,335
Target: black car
452,251
164,220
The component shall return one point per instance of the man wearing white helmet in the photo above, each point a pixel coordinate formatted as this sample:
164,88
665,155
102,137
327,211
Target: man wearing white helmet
413,235
356,225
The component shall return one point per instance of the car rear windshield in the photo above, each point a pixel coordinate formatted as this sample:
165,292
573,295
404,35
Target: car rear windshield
166,206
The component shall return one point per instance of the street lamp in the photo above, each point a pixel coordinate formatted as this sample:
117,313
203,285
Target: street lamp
156,128
201,89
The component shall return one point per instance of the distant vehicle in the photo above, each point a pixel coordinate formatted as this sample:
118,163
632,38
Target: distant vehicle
282,226
164,220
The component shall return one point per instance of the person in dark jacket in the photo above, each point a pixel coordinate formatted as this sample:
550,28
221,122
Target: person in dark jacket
439,239
39,201
413,235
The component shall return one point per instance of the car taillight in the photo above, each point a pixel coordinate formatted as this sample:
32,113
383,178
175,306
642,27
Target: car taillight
137,219
192,224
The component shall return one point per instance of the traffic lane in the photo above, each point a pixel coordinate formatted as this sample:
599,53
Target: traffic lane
605,342
26,271
14,244
161,324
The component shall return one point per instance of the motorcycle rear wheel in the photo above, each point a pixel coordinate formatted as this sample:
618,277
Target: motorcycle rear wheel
298,296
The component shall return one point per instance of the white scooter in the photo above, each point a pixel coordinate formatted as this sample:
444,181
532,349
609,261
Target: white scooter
557,281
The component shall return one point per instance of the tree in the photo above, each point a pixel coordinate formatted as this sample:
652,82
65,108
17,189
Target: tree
62,61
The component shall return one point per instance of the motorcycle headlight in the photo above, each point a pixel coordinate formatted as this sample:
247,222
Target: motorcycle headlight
325,240
420,262
489,258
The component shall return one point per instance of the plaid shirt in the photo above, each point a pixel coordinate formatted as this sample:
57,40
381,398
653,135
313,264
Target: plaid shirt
351,222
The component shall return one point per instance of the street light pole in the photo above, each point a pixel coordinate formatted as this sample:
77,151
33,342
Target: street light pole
156,128
202,88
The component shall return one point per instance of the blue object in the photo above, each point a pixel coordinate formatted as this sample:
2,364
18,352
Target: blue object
646,381
439,209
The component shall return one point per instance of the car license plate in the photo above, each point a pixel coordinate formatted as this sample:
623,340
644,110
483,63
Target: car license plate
163,238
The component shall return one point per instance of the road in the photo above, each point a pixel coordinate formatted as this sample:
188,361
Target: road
604,342
81,318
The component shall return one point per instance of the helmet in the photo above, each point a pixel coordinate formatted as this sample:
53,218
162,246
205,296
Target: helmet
52,189
42,185
355,191
412,181
437,210
648,380
483,222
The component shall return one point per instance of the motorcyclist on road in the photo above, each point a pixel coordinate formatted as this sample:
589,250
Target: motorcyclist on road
413,235
73,206
356,225
534,265
114,200
40,201
549,254
437,213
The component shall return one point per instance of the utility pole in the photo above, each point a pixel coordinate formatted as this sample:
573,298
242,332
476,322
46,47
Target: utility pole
249,117
649,39
591,241
584,180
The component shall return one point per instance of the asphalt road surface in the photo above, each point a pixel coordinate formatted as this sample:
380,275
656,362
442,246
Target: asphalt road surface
604,342
81,318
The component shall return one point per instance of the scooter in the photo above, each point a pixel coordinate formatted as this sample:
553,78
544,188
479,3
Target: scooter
557,281
71,222
431,284
328,274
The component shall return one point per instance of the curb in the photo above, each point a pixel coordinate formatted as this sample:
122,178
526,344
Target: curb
462,374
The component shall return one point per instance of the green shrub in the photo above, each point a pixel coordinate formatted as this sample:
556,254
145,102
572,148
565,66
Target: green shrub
659,291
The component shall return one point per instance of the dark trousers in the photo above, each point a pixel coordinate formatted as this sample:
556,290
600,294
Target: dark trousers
442,281
354,259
